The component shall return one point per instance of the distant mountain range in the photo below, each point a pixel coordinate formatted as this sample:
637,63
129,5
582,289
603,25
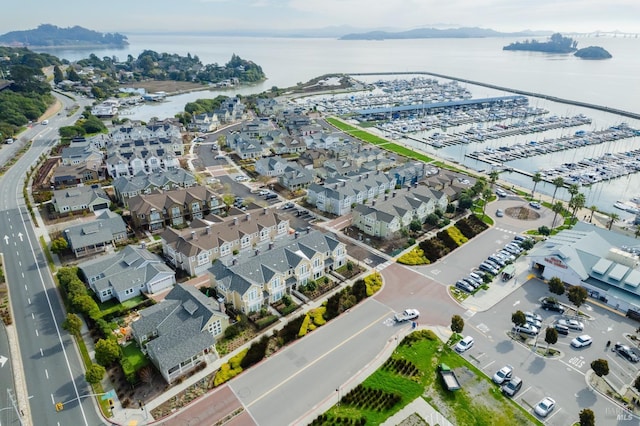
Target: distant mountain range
47,35
464,32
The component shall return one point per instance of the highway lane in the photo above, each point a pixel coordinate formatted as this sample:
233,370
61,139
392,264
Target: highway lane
52,367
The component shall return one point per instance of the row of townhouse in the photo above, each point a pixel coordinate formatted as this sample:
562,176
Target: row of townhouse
336,196
132,158
125,187
289,173
194,249
263,279
155,212
385,217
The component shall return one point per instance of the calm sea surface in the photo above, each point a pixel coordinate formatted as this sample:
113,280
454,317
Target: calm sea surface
614,83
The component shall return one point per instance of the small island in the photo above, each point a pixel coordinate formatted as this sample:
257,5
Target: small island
47,35
593,53
556,44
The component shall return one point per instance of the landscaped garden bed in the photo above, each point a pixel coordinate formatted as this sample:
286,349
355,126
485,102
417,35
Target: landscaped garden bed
316,289
411,372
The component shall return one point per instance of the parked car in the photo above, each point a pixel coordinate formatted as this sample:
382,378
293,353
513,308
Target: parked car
509,256
503,375
473,283
572,324
533,316
520,238
219,157
271,196
561,329
241,178
488,268
527,329
263,192
511,250
545,406
497,260
582,341
477,281
550,304
501,192
493,264
625,352
288,205
515,247
499,213
462,285
477,275
535,204
464,344
512,387
406,315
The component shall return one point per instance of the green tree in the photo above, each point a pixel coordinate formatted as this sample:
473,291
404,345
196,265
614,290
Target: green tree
544,230
556,286
58,76
600,367
587,418
94,374
558,183
494,175
550,336
573,190
613,218
93,125
59,245
85,304
457,324
73,324
107,352
577,202
593,210
486,195
537,177
577,295
73,75
518,318
465,202
636,383
527,244
556,208
415,225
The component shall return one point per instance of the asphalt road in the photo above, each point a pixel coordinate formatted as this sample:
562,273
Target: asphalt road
314,368
52,367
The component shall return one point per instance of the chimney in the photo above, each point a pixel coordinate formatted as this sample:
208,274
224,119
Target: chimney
257,252
373,203
233,261
295,235
143,245
393,194
235,220
208,228
221,304
386,197
308,229
270,246
264,211
193,235
248,217
415,184
408,187
344,183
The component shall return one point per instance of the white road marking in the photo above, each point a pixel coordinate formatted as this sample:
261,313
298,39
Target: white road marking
554,413
486,366
29,300
525,391
37,334
46,373
41,353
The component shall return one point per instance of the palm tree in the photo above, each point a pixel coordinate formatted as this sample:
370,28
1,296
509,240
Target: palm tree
573,190
537,177
593,210
637,231
577,202
556,208
486,194
557,182
613,217
493,176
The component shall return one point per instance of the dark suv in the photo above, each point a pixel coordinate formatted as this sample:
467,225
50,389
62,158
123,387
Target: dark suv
551,305
626,352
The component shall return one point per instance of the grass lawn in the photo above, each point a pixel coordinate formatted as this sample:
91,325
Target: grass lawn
479,402
135,356
112,305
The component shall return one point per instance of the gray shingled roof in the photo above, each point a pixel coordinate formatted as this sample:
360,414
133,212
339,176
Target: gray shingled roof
102,230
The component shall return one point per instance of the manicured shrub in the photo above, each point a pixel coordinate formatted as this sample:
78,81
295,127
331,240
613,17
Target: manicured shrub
456,235
373,283
414,257
255,353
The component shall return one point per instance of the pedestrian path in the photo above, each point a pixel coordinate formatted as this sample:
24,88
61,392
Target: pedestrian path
423,409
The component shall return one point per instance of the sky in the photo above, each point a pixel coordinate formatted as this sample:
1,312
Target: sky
223,15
